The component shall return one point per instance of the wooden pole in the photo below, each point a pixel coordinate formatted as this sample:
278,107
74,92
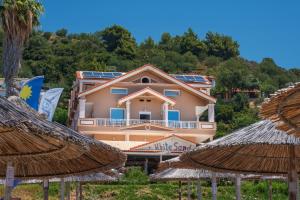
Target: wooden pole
238,187
199,192
189,190
292,175
46,189
68,190
80,191
146,166
62,189
270,189
9,181
214,186
77,191
179,190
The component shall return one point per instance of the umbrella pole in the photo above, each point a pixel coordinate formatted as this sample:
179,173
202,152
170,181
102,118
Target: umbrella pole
62,189
189,190
77,191
68,190
80,191
9,181
270,189
179,190
199,192
214,186
292,175
238,187
46,189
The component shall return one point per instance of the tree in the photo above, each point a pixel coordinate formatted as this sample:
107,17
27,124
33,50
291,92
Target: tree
119,40
221,46
18,17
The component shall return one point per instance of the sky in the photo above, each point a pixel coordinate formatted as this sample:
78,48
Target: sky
263,28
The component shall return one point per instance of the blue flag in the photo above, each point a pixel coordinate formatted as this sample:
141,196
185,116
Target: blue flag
49,102
31,90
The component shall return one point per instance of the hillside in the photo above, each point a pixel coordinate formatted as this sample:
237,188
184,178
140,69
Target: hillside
58,55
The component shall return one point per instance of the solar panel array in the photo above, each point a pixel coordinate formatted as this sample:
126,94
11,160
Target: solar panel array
191,78
106,75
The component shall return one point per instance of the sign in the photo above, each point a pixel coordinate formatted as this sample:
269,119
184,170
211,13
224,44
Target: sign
168,144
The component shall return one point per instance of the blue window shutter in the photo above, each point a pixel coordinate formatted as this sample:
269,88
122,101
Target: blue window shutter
117,113
173,115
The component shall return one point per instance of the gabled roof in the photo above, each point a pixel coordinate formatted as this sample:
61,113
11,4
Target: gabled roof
145,91
151,68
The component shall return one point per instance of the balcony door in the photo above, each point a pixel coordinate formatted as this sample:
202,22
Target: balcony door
145,116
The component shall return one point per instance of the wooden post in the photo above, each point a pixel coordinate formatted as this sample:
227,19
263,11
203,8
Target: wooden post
199,192
68,190
77,190
46,189
9,180
146,166
80,191
292,175
189,190
179,190
270,189
62,189
238,187
214,186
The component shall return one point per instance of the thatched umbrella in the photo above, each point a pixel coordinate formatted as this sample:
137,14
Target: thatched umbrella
183,173
259,148
31,146
284,108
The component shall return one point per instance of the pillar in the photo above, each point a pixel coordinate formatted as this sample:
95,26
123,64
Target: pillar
214,186
199,192
166,112
128,113
62,189
68,188
238,187
9,180
270,189
211,112
146,166
292,174
46,189
179,190
77,191
82,108
189,190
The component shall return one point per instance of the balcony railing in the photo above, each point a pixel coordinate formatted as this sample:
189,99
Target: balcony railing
106,122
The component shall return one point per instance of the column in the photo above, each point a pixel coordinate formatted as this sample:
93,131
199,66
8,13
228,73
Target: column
82,108
166,112
211,112
214,186
238,187
9,180
46,189
128,113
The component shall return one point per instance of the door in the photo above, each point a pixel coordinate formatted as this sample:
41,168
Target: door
145,115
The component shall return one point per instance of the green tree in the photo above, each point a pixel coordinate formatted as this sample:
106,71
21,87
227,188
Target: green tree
119,40
221,45
18,17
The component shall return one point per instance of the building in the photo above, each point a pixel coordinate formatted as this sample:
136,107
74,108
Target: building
147,113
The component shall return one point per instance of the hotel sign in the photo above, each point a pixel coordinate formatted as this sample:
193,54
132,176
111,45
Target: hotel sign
169,144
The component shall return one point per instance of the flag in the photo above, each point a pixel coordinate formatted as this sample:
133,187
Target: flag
49,102
30,91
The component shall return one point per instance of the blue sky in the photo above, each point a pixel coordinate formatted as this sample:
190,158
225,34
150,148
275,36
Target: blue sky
263,28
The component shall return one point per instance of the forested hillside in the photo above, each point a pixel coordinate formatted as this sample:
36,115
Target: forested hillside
58,55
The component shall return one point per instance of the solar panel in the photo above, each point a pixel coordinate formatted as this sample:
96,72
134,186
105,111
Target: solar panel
106,75
191,78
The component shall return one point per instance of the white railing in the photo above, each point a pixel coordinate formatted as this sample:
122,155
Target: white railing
106,122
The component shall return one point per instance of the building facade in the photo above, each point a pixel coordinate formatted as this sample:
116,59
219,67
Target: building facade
147,113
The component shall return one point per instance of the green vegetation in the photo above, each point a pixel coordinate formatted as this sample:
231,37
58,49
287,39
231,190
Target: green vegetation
58,55
135,185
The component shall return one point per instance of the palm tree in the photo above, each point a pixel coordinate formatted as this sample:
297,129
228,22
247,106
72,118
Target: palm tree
18,17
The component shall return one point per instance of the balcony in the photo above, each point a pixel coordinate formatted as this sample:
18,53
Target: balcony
106,122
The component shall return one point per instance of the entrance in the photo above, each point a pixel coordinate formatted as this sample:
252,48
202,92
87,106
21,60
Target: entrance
145,116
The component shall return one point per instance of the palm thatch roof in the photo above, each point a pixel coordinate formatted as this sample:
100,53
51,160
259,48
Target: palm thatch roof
39,148
284,109
173,174
173,163
259,148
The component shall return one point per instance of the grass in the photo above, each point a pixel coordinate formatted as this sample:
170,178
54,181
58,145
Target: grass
136,186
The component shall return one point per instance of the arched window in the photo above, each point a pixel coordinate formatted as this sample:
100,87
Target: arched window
145,80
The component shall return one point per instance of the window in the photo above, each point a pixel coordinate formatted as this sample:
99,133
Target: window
145,115
117,113
119,91
172,93
145,80
173,115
